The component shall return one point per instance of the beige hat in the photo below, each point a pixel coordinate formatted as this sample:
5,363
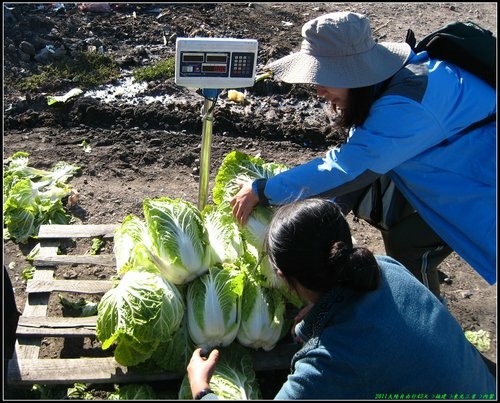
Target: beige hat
338,50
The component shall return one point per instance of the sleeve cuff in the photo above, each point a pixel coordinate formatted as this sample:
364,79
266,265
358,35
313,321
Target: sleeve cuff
258,187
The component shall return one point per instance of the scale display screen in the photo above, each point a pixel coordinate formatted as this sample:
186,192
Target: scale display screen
214,68
215,62
192,57
220,58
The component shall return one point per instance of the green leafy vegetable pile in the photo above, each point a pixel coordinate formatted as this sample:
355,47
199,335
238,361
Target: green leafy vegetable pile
191,278
32,197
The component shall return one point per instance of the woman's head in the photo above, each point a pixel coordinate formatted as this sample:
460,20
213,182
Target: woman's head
352,104
310,243
339,51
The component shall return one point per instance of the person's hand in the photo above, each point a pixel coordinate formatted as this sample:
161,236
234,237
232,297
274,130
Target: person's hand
301,315
243,202
200,370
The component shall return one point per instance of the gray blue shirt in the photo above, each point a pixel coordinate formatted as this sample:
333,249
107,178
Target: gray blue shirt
398,341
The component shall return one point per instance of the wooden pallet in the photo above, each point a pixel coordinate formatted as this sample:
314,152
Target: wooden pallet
26,368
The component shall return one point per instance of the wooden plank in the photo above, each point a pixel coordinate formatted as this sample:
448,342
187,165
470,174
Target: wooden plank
77,231
44,321
38,332
107,370
71,370
102,260
48,247
77,286
36,305
41,326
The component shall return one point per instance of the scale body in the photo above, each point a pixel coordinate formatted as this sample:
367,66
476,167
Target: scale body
213,64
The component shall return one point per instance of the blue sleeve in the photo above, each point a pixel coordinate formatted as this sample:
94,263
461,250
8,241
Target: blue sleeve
377,147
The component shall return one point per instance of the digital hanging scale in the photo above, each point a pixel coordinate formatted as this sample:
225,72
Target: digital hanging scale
210,65
215,63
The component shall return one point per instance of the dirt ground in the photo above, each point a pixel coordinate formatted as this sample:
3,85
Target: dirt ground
147,143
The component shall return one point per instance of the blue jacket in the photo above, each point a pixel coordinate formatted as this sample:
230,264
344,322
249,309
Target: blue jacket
413,134
398,340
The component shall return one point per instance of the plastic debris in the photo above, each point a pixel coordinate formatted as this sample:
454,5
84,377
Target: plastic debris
63,98
235,96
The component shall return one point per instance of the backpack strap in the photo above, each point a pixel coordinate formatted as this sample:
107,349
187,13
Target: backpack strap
410,39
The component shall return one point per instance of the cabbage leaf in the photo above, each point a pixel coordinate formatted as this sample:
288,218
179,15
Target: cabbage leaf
224,237
33,197
238,166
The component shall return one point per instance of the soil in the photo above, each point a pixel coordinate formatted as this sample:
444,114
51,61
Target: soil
147,143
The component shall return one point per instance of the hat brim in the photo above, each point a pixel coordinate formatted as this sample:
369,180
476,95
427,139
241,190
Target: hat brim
360,70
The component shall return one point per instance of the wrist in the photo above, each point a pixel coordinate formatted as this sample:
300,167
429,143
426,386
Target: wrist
203,392
258,186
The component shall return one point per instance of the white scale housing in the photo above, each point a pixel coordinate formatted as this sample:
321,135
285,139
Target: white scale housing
215,63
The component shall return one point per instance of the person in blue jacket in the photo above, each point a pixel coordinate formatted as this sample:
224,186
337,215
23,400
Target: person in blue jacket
371,330
405,113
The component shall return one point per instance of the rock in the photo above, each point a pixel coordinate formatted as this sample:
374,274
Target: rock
27,48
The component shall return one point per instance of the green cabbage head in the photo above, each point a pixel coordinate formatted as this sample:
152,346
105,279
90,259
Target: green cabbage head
138,314
179,238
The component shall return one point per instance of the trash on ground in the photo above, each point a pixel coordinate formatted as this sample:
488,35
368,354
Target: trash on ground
64,98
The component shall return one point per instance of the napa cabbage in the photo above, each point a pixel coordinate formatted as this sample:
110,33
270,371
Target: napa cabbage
174,355
262,315
33,197
224,236
179,238
139,313
233,378
254,231
238,166
213,307
128,235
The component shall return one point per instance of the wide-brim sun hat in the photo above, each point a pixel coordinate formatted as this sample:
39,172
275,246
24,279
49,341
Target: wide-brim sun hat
338,50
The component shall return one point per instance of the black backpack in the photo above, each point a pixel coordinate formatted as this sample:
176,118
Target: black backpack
464,44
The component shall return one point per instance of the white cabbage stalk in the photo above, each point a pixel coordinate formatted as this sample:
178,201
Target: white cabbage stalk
225,240
213,307
254,231
180,240
262,316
